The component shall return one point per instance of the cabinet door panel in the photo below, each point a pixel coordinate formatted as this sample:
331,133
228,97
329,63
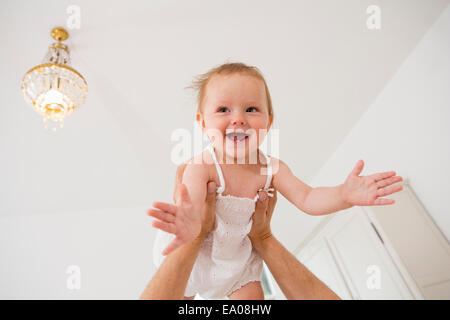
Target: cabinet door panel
417,242
363,260
318,259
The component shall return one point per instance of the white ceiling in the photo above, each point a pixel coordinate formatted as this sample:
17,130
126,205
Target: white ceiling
323,66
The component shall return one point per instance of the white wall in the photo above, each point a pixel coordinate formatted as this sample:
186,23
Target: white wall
407,128
112,248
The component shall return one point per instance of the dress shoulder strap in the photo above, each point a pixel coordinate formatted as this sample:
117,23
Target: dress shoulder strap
269,172
267,188
221,188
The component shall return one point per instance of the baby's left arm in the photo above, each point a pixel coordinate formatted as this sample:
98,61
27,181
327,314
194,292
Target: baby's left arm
356,190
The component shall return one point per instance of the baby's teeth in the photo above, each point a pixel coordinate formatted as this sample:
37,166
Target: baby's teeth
237,136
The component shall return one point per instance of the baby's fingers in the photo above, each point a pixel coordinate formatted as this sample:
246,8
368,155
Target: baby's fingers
382,175
164,226
172,246
388,181
387,191
383,201
161,215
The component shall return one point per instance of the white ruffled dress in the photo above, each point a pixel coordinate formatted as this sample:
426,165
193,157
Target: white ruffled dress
227,260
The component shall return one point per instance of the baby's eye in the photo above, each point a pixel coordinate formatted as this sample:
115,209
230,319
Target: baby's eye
252,109
222,109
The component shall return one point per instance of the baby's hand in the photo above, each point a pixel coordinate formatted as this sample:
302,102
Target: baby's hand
366,190
179,219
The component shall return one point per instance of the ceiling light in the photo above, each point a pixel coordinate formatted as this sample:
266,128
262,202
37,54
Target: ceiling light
54,88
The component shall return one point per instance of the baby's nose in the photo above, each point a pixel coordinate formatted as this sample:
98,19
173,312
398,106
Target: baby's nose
238,122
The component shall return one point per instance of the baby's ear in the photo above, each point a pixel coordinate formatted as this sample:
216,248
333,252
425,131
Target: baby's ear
200,121
270,122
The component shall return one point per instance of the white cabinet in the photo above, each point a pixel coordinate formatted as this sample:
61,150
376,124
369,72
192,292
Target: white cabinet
350,258
317,258
381,252
365,263
415,243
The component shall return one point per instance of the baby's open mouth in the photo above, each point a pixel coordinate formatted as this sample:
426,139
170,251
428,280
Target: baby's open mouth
237,136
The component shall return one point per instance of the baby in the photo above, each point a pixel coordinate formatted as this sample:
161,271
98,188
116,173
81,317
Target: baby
235,112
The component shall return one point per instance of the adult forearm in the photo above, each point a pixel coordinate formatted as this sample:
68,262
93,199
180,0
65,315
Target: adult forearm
170,280
293,278
325,200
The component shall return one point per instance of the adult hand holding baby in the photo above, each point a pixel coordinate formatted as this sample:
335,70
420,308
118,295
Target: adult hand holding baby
180,219
261,218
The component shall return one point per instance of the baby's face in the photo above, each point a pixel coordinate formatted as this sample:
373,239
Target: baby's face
235,113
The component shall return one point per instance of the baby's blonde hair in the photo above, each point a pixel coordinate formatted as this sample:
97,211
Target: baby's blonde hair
201,81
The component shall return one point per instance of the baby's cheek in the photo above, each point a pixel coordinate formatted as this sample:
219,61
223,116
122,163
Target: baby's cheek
262,133
214,135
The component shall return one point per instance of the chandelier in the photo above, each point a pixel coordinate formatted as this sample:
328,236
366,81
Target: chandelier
54,89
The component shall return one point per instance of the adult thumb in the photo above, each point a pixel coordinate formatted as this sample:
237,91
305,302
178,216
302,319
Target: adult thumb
211,191
182,194
261,205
